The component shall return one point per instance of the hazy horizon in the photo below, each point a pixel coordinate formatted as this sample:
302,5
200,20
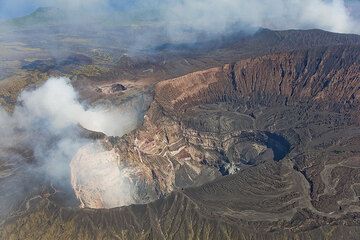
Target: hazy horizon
209,15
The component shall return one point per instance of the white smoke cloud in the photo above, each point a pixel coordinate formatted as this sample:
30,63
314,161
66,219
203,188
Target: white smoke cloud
46,123
215,16
56,104
98,179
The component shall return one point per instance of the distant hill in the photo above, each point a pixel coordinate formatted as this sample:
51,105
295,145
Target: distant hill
57,16
42,15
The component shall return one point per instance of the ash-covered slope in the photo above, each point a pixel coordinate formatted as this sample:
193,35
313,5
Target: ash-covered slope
265,147
177,60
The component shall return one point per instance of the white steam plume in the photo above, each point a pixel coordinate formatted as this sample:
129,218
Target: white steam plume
56,103
219,16
46,123
98,179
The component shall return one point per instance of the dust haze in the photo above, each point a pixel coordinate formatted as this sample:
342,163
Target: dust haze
135,27
182,20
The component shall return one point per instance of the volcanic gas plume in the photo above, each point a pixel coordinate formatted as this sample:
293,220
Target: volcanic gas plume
49,120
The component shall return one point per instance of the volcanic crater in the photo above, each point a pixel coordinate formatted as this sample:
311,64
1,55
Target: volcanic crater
221,121
264,147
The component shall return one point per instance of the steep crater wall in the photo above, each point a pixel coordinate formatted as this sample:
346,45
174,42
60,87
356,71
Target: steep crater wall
320,75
